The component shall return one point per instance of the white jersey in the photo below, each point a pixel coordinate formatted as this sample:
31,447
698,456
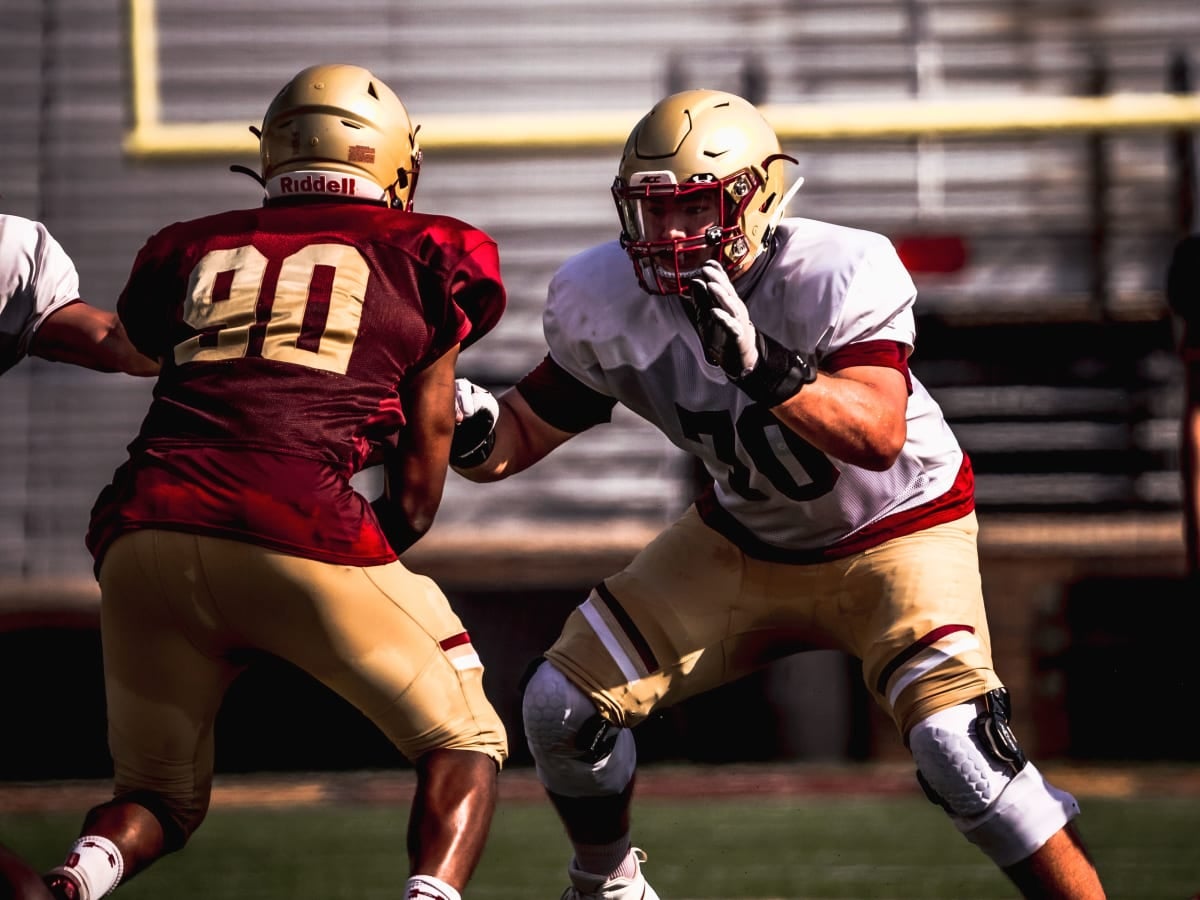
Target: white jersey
826,288
36,278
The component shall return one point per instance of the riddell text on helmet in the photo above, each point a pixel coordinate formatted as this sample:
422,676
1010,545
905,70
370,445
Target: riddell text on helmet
317,184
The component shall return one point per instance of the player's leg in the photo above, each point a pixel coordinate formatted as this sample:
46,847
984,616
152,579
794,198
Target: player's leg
971,764
674,624
927,660
162,695
454,788
586,765
19,880
1060,868
387,641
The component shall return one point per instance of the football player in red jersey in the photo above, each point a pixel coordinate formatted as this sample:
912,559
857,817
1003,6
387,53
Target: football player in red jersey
301,341
840,512
41,313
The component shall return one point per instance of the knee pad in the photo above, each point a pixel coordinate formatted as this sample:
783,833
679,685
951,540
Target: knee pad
576,751
968,762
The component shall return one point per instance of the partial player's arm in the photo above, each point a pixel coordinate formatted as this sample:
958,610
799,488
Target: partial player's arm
518,436
498,438
857,414
83,335
414,473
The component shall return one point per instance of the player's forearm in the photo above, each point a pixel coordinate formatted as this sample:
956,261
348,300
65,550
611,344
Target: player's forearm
116,348
521,439
83,335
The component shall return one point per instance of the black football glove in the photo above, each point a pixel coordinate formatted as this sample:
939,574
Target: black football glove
475,413
767,371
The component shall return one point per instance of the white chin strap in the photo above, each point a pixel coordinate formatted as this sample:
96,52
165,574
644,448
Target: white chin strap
787,198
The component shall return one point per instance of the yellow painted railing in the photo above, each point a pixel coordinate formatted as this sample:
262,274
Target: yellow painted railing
150,136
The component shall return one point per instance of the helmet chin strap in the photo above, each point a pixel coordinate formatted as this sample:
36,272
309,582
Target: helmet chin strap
768,244
748,280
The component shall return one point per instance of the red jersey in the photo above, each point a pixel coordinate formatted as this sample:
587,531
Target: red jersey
286,332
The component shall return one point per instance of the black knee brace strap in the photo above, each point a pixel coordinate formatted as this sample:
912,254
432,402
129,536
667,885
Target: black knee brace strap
997,737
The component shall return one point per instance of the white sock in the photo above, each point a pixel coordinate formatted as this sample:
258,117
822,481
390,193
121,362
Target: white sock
96,864
426,887
613,860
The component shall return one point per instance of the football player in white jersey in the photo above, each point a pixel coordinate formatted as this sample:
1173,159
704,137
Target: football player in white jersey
840,512
41,313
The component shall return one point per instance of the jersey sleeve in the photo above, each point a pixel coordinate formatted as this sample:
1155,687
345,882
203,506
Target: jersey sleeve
147,305
477,290
561,400
37,278
576,319
878,305
887,354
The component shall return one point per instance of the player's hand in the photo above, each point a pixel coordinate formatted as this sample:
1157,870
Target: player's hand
766,370
723,322
475,415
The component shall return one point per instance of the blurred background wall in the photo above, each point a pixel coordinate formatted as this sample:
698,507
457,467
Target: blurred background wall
1043,330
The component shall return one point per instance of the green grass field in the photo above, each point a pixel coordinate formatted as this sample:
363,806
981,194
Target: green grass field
717,849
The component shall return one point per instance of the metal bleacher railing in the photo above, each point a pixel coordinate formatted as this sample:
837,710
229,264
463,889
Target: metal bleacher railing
1049,346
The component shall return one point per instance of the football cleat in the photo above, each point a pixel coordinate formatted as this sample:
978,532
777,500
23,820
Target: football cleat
586,886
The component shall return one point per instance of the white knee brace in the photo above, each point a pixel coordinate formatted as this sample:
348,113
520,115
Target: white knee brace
997,799
577,752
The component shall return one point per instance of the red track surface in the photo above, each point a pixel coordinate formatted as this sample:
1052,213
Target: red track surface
665,781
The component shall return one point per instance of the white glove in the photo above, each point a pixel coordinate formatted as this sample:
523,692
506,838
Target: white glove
766,370
475,414
723,322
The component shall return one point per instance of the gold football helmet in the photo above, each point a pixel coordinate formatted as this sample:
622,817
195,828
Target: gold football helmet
341,118
710,160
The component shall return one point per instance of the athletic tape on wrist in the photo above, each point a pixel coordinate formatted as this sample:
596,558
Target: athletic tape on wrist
779,374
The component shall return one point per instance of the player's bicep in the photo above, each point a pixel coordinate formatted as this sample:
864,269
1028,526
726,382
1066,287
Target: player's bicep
889,386
879,412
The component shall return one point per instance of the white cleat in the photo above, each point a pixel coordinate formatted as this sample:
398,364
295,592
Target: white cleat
586,886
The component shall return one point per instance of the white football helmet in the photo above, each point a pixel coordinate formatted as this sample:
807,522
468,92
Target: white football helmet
341,118
699,150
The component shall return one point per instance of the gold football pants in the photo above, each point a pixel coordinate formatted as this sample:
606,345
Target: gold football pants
178,610
692,612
